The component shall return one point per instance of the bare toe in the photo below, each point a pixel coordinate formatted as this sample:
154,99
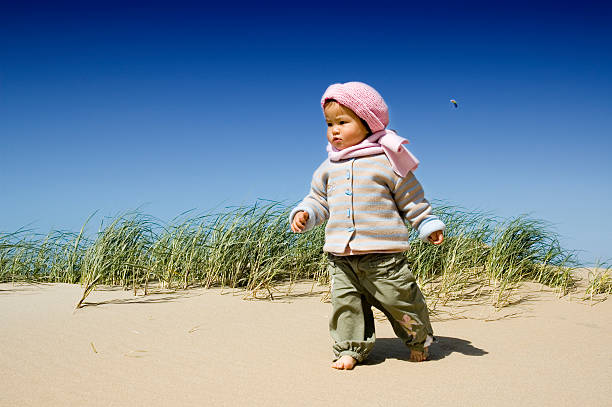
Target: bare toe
346,362
418,356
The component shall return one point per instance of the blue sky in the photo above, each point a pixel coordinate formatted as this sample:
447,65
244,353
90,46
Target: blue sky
176,106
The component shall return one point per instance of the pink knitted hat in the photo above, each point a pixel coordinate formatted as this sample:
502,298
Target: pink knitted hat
361,99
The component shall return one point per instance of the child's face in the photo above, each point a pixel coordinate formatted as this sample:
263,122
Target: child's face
344,128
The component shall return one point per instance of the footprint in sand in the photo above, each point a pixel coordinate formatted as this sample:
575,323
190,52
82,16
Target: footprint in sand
135,353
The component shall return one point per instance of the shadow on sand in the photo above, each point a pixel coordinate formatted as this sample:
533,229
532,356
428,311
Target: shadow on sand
394,348
23,287
148,299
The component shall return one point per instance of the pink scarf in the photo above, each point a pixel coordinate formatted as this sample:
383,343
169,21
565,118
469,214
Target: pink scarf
384,141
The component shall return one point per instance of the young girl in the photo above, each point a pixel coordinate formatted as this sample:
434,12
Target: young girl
367,191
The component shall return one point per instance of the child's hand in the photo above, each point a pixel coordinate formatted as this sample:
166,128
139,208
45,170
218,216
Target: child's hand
299,222
436,237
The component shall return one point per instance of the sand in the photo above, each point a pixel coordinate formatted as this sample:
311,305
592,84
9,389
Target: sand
212,347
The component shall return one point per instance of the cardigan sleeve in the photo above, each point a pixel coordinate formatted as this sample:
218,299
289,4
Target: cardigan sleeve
315,202
414,208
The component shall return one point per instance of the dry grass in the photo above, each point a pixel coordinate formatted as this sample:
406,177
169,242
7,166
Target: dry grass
483,258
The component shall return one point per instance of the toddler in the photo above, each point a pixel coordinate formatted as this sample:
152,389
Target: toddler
367,191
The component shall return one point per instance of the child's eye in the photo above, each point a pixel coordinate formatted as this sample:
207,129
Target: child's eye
329,124
342,122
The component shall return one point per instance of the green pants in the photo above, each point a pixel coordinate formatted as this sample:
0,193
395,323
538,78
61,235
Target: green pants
385,282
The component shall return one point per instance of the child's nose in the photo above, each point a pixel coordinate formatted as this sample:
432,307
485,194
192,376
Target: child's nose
336,130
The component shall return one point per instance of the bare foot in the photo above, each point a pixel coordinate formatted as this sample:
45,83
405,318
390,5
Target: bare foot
346,362
417,356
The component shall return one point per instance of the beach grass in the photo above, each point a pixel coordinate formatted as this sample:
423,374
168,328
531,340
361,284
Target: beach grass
483,258
600,282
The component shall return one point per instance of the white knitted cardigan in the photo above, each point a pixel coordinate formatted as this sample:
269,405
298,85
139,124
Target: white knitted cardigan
367,206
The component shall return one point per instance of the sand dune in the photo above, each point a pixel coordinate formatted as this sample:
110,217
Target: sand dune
202,347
